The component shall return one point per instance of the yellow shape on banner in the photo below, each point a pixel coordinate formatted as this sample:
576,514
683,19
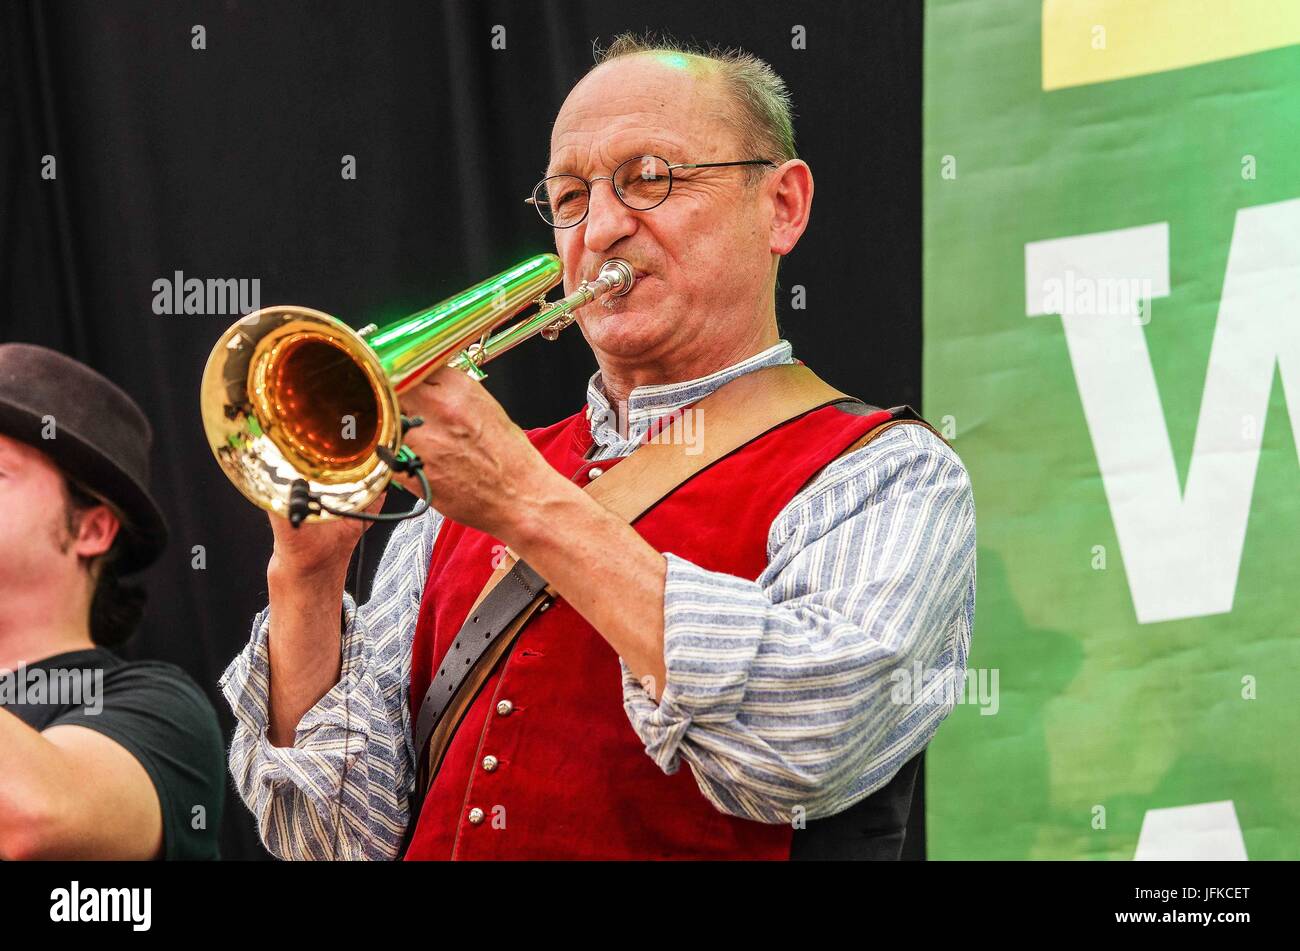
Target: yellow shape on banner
1096,41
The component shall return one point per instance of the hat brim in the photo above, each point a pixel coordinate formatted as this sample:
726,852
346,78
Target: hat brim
144,530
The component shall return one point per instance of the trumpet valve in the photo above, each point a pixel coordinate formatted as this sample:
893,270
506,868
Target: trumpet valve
552,331
473,355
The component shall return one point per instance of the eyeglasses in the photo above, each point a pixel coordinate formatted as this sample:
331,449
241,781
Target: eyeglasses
641,183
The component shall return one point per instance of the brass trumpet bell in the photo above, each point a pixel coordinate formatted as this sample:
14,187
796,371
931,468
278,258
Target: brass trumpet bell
292,394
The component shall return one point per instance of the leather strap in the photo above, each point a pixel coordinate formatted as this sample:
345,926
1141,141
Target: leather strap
730,417
902,414
480,641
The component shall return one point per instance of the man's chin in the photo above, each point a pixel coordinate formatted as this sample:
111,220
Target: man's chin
623,331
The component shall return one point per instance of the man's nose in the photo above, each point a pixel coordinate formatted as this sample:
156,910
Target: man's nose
608,219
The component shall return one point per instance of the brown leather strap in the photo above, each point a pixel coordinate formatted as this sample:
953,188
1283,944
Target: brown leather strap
727,419
870,434
732,415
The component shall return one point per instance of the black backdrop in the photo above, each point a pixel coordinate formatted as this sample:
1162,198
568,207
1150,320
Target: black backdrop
225,162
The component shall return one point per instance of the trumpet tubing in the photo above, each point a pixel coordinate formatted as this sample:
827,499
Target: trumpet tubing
291,393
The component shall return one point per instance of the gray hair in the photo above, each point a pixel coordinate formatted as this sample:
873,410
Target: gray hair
762,114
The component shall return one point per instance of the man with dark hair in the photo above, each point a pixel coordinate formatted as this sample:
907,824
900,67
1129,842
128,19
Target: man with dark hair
101,758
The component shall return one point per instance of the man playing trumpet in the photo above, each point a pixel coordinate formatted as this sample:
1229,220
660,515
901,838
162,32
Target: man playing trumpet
747,624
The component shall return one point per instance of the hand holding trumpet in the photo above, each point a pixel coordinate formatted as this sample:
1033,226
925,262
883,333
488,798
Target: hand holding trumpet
482,470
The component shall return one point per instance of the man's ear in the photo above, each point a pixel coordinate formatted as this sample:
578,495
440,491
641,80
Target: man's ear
96,530
791,190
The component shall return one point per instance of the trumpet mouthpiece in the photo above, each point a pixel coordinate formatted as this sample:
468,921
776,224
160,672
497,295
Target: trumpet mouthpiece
618,274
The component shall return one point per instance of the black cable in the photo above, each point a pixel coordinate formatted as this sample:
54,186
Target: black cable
300,502
304,502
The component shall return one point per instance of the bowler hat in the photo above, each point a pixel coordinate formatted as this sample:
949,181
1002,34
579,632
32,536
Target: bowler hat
92,431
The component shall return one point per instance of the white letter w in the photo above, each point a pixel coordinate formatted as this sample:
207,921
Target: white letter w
1182,551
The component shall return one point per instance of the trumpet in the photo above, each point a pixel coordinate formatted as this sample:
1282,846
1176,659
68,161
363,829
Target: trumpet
302,412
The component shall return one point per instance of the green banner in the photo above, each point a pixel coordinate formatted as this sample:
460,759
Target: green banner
1112,339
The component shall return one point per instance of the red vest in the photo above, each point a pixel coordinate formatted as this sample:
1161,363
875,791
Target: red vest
571,779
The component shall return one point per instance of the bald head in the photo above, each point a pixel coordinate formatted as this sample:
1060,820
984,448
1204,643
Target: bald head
758,102
706,257
679,100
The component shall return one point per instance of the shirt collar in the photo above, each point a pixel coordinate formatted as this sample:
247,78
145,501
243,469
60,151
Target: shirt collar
647,403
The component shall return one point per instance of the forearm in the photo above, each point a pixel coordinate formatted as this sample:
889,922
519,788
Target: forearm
320,802
777,706
304,645
29,765
340,791
343,789
72,793
781,690
598,563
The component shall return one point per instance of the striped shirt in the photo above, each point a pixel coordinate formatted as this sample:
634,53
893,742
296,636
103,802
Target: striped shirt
781,693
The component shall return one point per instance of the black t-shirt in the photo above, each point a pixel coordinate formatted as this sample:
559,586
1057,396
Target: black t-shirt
155,711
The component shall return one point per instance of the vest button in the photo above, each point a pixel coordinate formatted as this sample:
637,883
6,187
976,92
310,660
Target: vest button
475,815
504,708
490,763
595,472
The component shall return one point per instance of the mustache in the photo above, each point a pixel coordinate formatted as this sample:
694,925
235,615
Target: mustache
639,266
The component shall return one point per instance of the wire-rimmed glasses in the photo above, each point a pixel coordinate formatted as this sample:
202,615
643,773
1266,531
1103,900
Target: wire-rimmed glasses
641,183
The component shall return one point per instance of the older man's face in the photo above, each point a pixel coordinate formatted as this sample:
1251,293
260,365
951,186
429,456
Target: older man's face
703,257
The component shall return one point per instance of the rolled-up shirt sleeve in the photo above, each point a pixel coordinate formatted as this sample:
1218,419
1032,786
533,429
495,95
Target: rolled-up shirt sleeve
781,692
342,790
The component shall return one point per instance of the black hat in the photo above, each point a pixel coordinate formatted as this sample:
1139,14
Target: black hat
101,437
